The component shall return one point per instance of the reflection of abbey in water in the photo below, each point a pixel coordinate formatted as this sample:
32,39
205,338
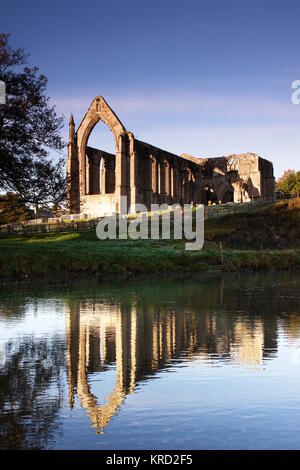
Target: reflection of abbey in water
142,342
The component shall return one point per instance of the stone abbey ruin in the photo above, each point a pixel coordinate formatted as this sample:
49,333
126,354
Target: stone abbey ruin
147,175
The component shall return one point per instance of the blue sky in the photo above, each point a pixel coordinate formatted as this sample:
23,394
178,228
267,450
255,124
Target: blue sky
207,78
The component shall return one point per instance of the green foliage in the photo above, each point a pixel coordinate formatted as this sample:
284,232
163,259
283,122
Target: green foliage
289,183
13,209
42,183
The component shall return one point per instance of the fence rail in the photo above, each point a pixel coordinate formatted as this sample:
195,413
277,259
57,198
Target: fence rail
59,225
220,210
22,229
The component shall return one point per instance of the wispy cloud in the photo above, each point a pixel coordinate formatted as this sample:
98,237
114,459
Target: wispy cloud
186,104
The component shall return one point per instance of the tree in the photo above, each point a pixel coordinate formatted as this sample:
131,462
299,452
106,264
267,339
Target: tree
289,183
42,184
13,209
29,127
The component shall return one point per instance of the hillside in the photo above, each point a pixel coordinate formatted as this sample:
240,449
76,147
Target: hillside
272,226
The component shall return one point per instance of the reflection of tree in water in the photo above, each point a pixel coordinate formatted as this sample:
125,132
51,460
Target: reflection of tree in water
12,309
30,393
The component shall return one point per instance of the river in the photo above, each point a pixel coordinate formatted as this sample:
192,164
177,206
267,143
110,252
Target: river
211,362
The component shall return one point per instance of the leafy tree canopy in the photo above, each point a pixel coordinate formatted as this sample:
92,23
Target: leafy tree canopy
29,127
13,209
289,183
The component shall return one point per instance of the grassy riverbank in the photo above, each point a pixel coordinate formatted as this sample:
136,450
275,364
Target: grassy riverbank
267,238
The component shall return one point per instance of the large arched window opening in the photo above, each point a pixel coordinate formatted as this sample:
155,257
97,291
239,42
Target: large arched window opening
100,161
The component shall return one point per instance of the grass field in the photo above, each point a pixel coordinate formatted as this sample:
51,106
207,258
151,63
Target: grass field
266,238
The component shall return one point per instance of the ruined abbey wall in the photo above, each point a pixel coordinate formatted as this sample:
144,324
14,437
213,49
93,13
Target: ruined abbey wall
147,174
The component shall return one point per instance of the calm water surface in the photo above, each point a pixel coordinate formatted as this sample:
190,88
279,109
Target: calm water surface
207,363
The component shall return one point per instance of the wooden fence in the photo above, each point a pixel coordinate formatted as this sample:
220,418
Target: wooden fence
23,229
220,210
59,225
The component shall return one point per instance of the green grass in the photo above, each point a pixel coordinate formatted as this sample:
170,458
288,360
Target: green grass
77,253
248,239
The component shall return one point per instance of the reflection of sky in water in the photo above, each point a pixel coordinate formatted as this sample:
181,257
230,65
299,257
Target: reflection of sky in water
38,320
159,369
